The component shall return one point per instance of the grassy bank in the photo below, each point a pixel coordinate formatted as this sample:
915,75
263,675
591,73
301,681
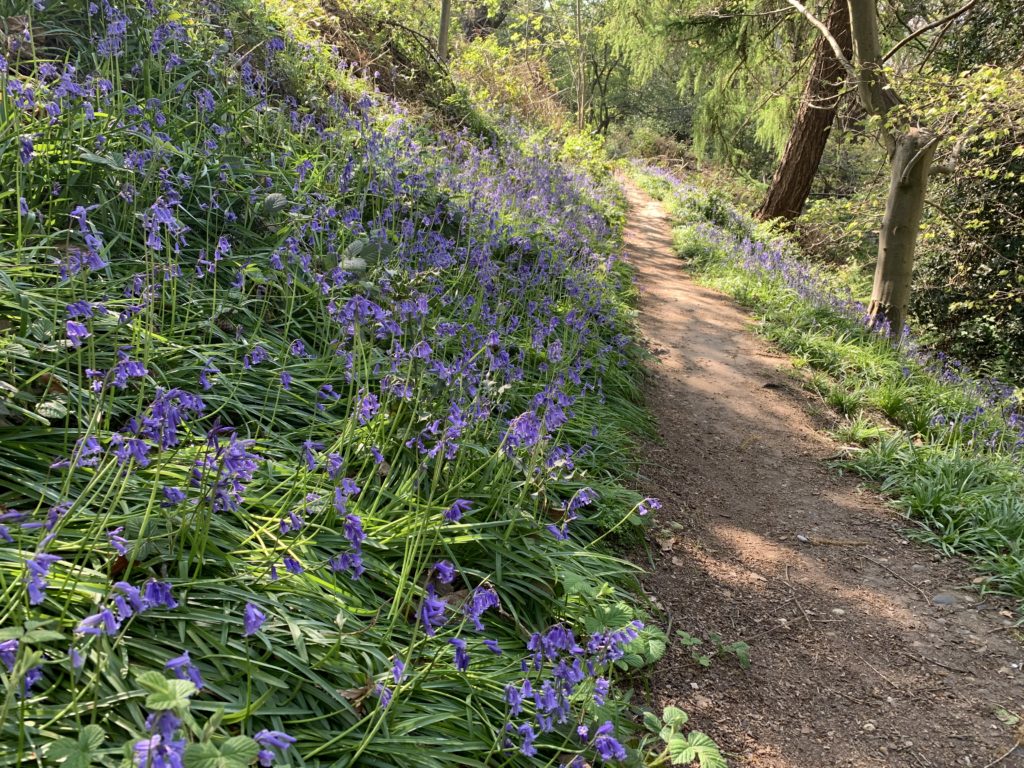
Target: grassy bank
947,446
312,412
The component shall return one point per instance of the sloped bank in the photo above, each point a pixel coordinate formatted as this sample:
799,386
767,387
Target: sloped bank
310,414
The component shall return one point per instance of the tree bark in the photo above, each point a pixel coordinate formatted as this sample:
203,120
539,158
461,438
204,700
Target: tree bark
442,35
791,183
890,294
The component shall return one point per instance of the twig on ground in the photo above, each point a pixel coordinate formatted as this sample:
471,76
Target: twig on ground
1005,755
923,660
877,672
906,581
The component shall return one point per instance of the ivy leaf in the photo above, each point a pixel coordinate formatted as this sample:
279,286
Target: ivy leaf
77,754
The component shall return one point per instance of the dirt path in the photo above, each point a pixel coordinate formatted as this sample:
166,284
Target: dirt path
865,650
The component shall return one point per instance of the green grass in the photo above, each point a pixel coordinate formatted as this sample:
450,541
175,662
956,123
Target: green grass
946,447
260,218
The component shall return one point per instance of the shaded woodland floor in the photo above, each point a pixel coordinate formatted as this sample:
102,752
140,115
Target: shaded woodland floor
866,649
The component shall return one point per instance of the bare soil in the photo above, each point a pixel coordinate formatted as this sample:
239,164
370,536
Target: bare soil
867,649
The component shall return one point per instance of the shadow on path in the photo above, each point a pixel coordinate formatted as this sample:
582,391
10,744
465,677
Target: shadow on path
865,650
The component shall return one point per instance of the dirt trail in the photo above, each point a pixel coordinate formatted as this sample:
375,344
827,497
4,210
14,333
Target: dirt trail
866,650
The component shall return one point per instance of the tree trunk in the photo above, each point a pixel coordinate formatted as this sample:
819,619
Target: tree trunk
806,144
890,295
442,35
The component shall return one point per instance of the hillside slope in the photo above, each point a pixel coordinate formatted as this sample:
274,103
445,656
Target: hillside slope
310,413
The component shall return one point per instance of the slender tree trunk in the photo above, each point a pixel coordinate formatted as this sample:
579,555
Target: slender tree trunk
795,173
581,65
910,152
442,35
911,164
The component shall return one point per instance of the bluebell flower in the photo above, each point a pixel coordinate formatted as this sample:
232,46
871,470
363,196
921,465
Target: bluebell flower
292,565
455,512
608,748
102,623
432,611
9,653
38,568
184,669
253,618
157,594
445,571
270,740
461,655
398,670
77,333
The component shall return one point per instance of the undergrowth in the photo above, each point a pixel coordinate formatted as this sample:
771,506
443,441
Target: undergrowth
947,446
312,419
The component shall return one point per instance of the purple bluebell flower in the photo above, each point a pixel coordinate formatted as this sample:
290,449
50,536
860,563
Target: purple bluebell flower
608,748
204,375
77,333
173,496
184,669
102,623
26,149
157,594
455,512
38,568
308,447
461,655
493,646
292,565
482,599
445,571
432,611
600,691
383,693
272,740
398,670
253,618
9,653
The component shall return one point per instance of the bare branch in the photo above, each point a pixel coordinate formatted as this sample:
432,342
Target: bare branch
820,26
928,27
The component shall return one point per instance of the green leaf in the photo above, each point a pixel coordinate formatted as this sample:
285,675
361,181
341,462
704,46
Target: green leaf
92,737
236,752
77,754
651,722
675,716
204,755
165,693
697,746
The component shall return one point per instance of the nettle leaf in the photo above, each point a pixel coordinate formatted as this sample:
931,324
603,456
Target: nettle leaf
165,693
697,746
274,203
651,722
52,409
674,716
236,752
77,754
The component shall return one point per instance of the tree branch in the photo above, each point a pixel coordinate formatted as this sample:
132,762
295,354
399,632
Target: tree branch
928,27
820,26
